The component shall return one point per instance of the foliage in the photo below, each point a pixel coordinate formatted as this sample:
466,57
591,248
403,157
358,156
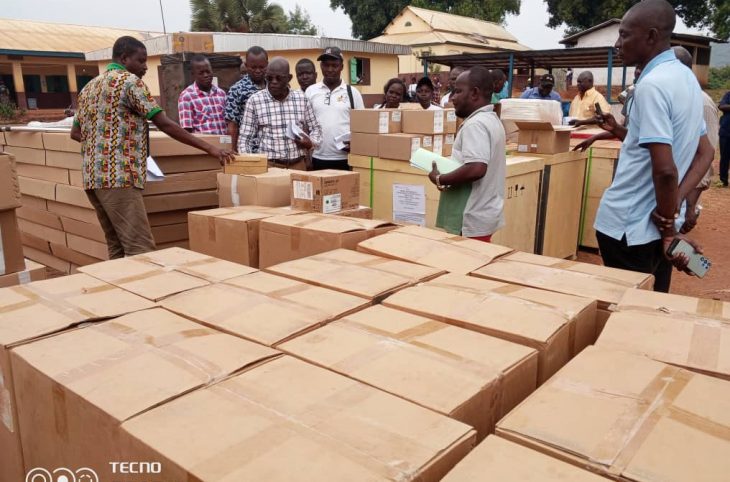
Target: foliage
9,111
300,23
719,78
245,16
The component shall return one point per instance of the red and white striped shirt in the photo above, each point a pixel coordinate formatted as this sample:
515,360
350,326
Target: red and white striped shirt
201,111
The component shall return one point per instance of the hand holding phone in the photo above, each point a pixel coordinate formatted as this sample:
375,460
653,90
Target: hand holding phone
599,111
698,264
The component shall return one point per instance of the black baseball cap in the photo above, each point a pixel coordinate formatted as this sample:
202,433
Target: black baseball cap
331,53
547,79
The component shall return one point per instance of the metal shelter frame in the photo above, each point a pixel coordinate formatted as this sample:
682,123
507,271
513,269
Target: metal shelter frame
604,57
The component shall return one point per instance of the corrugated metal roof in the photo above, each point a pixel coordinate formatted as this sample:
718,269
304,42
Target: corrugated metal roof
458,24
28,36
434,38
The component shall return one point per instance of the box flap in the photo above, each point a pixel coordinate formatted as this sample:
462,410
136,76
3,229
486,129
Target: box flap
534,126
328,223
643,300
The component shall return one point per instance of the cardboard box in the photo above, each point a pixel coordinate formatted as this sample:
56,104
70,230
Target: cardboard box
542,138
448,148
172,217
469,377
288,420
39,216
434,248
31,140
36,310
427,142
60,141
363,212
28,240
11,248
375,121
73,161
34,202
284,238
398,146
187,163
643,300
188,181
688,341
359,274
52,174
27,155
364,144
272,189
247,164
75,178
33,272
74,212
262,307
558,326
74,196
91,231
230,233
98,250
9,186
43,232
438,144
162,145
162,273
328,191
450,121
170,233
504,461
45,258
107,373
628,417
76,258
180,200
37,188
423,121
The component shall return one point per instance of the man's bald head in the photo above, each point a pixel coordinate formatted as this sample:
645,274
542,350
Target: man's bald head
278,77
653,14
683,55
585,81
278,66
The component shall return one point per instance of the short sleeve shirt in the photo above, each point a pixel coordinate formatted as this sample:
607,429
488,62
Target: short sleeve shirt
667,109
332,110
202,111
585,107
534,93
113,109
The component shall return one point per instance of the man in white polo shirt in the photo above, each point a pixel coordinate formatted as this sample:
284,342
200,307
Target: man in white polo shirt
332,99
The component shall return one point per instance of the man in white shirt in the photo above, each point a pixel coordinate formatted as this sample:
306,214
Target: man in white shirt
332,100
453,75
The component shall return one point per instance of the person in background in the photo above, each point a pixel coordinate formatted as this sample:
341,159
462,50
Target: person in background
453,75
268,114
242,69
569,77
724,107
472,197
424,94
306,74
111,125
332,100
412,89
544,91
437,86
201,106
395,91
500,85
583,106
256,61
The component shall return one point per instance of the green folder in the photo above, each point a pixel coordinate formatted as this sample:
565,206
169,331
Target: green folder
423,160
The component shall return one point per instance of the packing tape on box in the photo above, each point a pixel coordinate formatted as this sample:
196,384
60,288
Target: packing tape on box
711,308
235,197
211,222
24,277
705,344
57,302
2,253
567,265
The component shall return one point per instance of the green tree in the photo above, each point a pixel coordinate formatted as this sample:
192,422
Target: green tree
578,15
257,16
300,23
370,17
719,78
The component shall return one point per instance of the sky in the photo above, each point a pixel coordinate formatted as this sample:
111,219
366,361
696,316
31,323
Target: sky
145,15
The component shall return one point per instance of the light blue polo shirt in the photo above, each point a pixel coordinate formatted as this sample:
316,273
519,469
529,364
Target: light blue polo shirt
666,108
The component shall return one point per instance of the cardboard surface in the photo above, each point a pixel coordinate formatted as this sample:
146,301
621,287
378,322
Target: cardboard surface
107,373
37,188
33,272
170,233
76,258
27,155
359,274
284,238
287,420
470,377
504,461
73,161
542,138
42,232
181,200
262,307
74,212
642,300
161,145
398,146
187,163
31,140
328,191
423,121
438,249
39,216
9,186
11,248
45,258
624,414
364,144
28,240
91,231
187,181
557,326
272,189
375,121
247,164
72,195
60,141
93,248
363,212
52,174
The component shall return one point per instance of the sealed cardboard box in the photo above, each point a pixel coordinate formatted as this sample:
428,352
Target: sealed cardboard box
60,141
88,246
46,173
688,341
38,309
44,257
27,155
328,191
501,460
162,145
449,121
558,326
363,212
247,164
467,376
542,138
32,140
628,417
438,249
75,196
364,144
39,216
230,233
9,186
76,258
37,188
72,212
91,231
170,233
427,142
109,372
28,240
398,146
288,420
262,307
11,247
188,181
180,200
188,163
33,272
359,274
448,145
64,160
438,144
43,232
272,189
643,300
423,121
375,121
284,238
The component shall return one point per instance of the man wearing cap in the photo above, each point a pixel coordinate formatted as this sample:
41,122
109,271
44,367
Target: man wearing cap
332,100
544,91
584,104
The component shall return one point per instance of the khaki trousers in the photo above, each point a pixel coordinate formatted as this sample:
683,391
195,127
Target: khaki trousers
124,220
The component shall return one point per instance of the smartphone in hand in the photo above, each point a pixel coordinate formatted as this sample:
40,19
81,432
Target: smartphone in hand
698,264
599,111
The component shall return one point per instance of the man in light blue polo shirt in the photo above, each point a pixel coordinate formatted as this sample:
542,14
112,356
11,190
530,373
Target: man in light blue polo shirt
665,143
544,91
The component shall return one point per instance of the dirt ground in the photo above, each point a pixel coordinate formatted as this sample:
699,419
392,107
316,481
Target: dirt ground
713,234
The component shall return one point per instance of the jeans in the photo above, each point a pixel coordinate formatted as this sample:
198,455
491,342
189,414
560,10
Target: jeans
643,258
724,158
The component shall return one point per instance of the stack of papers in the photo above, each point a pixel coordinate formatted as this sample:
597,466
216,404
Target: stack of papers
423,160
154,173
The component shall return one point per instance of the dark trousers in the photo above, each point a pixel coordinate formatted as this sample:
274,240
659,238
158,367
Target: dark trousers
340,165
724,158
643,258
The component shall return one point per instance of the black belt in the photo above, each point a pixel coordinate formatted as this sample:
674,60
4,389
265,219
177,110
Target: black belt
287,162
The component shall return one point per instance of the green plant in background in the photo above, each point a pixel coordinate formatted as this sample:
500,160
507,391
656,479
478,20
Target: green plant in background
9,111
719,78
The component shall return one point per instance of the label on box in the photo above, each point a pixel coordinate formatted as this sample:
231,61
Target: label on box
332,203
449,139
395,117
438,144
303,190
409,198
383,126
409,218
438,122
415,144
427,141
522,148
450,116
225,140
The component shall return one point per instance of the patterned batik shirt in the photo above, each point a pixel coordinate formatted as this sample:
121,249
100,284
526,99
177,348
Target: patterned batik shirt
238,95
266,119
202,111
113,109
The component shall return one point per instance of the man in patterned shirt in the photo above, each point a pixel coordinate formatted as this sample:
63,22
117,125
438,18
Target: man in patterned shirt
271,112
256,62
201,105
111,125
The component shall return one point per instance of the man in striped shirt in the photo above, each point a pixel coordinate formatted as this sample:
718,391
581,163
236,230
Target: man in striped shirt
201,105
272,114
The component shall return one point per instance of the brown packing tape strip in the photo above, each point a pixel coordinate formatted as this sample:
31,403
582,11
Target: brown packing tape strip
211,222
284,293
567,264
710,308
57,302
156,269
704,345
